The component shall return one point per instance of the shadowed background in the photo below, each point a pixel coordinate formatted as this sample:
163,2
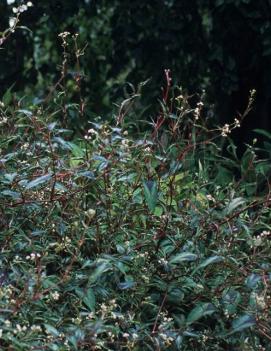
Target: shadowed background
222,46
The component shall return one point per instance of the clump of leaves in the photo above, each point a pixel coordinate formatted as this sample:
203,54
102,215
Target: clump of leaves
110,242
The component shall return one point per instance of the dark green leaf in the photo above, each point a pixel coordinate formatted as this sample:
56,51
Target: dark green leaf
200,311
182,257
38,181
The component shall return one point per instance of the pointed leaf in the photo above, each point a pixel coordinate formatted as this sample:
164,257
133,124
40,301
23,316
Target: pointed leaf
263,132
182,257
151,194
38,181
252,280
210,260
51,330
13,194
243,322
89,299
103,267
234,204
200,311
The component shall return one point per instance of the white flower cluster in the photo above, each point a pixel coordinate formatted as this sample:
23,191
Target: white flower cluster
134,336
19,329
55,296
107,309
258,240
260,300
22,8
168,340
90,133
90,316
143,254
125,144
198,110
225,130
25,146
237,123
163,261
77,320
64,35
17,10
6,292
28,4
165,321
36,328
33,256
265,233
90,213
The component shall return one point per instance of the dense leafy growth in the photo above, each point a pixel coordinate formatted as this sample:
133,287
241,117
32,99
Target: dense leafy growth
111,242
115,239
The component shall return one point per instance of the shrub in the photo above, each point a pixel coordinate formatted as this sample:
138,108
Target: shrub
116,242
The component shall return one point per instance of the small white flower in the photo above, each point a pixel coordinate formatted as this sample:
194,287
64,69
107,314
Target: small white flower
180,97
210,197
163,261
18,327
29,4
90,213
22,8
114,316
12,22
36,328
55,296
33,256
10,2
197,113
92,131
265,233
257,241
64,35
103,307
236,123
225,130
91,315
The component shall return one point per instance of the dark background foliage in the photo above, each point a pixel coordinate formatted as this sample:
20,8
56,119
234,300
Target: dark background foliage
222,46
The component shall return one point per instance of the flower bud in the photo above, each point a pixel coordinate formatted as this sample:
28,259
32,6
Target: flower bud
90,213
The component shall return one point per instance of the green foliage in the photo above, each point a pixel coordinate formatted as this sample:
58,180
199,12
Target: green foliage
113,241
222,46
